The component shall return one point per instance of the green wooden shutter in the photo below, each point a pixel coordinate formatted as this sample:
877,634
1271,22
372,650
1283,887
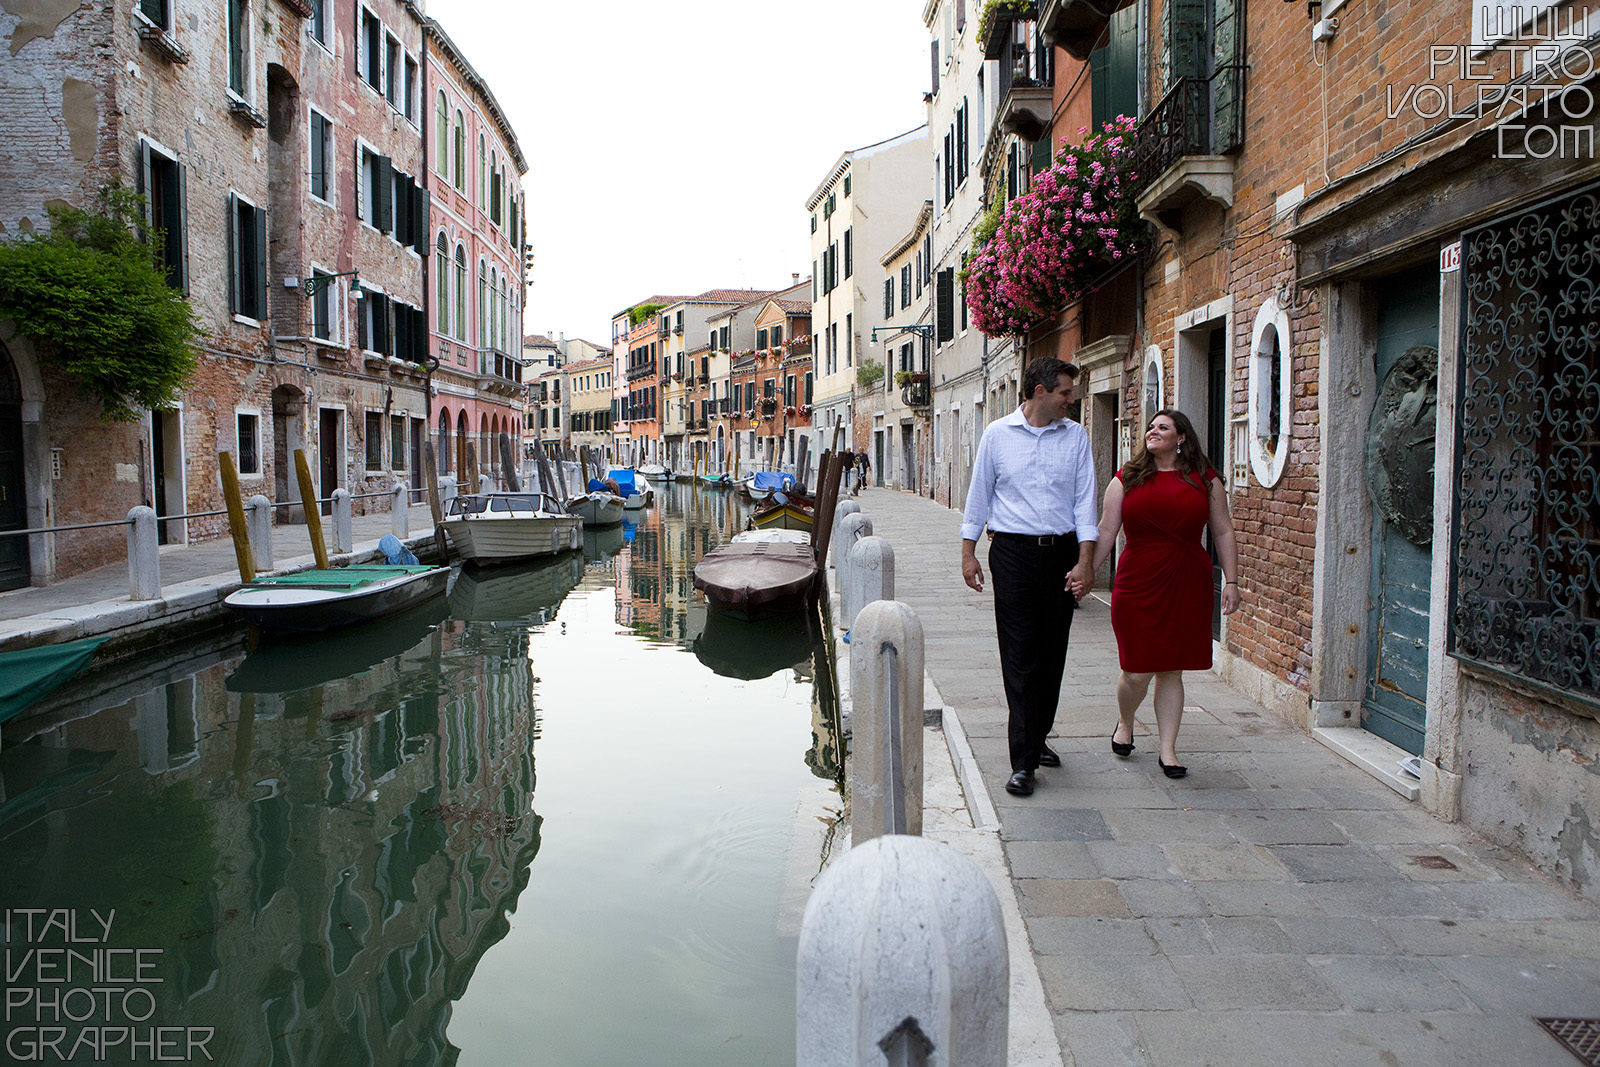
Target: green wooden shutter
383,193
233,253
421,211
178,238
260,281
1185,42
945,304
1227,84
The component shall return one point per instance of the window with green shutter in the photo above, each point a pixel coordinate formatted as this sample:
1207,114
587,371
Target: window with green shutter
1114,69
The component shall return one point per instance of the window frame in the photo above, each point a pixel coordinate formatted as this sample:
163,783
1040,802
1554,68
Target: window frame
240,413
372,439
328,156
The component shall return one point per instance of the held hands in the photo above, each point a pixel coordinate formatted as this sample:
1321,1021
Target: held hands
1080,580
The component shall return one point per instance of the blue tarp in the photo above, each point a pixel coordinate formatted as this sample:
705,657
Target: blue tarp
623,477
771,480
597,486
395,551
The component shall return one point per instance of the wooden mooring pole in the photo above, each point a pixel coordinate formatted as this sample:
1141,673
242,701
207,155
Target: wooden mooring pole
236,526
308,504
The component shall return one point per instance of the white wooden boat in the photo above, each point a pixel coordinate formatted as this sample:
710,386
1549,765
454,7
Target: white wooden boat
313,600
490,528
656,471
636,492
597,509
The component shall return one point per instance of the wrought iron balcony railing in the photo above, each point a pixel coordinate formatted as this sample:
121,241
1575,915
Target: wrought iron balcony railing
1197,117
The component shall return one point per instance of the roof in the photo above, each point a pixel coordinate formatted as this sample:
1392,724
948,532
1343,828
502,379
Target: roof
837,170
586,364
918,228
537,340
431,27
657,299
795,307
729,296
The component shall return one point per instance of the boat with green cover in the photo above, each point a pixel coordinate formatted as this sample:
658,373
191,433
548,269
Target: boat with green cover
28,675
324,599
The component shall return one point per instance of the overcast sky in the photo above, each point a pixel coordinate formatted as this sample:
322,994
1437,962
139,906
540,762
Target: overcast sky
671,146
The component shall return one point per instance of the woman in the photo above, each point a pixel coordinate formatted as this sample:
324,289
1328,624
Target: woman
1161,598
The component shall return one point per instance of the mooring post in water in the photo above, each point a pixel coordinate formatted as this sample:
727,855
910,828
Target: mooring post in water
902,960
236,526
886,662
871,575
447,491
144,555
343,532
430,474
258,519
400,510
313,510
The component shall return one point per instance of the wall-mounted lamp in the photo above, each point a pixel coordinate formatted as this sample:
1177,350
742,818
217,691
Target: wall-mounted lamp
923,330
317,282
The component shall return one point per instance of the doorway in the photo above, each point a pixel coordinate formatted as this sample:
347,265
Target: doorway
330,451
14,559
1399,466
166,470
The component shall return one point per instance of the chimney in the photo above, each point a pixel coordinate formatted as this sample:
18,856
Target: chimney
794,279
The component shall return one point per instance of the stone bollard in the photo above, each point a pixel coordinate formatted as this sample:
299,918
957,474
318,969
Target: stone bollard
843,511
258,520
886,662
447,493
343,538
871,575
485,484
144,555
902,959
400,509
853,529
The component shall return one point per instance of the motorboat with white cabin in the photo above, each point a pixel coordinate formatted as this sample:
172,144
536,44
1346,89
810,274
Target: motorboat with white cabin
490,528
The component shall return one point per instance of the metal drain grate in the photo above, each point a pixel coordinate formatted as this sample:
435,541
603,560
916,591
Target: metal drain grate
1581,1037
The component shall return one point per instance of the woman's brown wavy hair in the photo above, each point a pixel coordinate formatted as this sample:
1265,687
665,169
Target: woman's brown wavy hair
1192,465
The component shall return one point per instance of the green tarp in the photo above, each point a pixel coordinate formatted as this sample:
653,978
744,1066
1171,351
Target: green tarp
34,673
341,577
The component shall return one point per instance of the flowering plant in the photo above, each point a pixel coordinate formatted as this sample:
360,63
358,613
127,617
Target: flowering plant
802,410
1077,219
788,409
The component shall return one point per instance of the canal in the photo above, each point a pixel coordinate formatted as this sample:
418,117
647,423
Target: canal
561,816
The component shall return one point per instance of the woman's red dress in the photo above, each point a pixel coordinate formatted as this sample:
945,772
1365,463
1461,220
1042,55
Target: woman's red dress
1161,597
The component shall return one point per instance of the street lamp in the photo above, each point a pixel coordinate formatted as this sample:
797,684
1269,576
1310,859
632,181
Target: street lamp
923,330
317,282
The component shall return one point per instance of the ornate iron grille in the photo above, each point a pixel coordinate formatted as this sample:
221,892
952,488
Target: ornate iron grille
1525,564
1197,117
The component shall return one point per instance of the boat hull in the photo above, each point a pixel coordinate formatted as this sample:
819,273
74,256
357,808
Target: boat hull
487,540
757,579
598,509
298,609
781,517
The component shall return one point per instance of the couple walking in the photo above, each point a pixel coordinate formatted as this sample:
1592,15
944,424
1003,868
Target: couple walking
1033,487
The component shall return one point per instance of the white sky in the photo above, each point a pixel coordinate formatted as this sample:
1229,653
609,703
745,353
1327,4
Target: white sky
671,146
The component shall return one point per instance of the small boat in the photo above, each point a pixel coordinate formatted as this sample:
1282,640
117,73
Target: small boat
759,573
598,507
287,665
716,479
489,528
636,492
325,599
29,675
656,471
785,511
763,484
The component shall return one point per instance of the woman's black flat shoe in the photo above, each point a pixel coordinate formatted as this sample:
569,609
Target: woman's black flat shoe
1172,770
1120,749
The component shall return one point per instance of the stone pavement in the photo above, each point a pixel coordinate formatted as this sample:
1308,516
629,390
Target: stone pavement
1277,903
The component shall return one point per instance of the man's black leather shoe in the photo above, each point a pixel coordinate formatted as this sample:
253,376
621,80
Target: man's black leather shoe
1020,784
1048,757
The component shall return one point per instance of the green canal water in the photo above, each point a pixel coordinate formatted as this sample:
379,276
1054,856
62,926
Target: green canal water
561,817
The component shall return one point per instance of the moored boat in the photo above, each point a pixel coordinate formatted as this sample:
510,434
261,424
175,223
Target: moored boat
636,492
785,511
325,599
759,573
656,471
489,528
598,507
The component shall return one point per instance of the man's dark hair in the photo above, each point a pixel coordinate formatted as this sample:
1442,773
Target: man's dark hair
1045,371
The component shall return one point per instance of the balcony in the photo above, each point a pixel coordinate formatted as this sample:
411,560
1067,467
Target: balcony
1025,81
1077,25
917,394
1181,151
1001,31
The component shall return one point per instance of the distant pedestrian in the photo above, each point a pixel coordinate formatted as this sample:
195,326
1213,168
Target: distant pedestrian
863,467
1164,498
1033,486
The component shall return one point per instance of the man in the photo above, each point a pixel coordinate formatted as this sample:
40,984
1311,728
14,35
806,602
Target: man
1033,485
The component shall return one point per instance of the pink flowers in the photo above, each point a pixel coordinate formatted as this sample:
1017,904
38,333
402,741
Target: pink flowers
1054,240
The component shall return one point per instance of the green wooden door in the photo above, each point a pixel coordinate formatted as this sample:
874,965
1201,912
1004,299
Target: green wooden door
14,563
1400,481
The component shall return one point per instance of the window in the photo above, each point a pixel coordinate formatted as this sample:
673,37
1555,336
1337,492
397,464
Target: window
374,441
322,306
461,153
409,106
391,71
808,388
158,12
247,258
461,297
376,195
239,48
483,173
888,298
935,89
318,26
777,336
761,339
1269,402
372,334
370,60
397,442
441,266
483,305
441,135
813,223
162,181
849,340
248,442
1114,70
905,286
321,155
847,185
945,305
949,165
849,254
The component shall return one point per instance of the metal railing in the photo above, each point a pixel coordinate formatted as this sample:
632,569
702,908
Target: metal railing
1197,116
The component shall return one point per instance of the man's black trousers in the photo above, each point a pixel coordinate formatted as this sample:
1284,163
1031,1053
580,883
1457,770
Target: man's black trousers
1032,619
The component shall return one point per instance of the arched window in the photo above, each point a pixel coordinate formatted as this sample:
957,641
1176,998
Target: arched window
442,135
492,312
483,172
444,441
461,447
442,266
1270,403
483,304
461,152
461,293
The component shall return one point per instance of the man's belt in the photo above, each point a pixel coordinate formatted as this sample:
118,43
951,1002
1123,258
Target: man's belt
1045,540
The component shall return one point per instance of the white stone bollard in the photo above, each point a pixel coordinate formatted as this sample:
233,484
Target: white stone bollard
853,529
144,555
258,521
871,575
447,493
902,951
841,512
343,536
400,508
485,484
886,721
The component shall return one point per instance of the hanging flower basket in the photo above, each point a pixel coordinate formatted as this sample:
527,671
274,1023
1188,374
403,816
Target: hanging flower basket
789,410
803,411
1077,221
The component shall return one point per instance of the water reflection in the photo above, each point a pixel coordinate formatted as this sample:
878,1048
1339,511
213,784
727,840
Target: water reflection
740,648
326,840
